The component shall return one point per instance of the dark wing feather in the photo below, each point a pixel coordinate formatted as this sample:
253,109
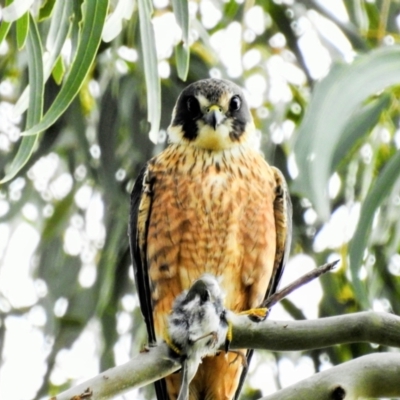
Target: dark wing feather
283,221
140,266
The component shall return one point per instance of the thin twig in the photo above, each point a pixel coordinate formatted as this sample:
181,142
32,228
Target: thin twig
303,280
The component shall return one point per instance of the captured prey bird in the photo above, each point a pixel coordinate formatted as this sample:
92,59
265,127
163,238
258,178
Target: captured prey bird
209,203
197,327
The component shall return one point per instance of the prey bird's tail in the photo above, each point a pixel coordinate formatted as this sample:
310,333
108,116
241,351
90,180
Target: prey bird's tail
184,391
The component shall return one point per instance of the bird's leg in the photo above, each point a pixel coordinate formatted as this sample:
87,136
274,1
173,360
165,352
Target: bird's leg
228,340
170,344
229,336
213,334
256,314
241,355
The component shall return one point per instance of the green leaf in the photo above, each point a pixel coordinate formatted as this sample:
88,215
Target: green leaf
150,67
182,52
4,26
182,56
347,27
47,9
380,190
109,259
362,122
35,66
334,103
58,70
56,224
58,32
114,23
16,10
181,12
93,22
22,30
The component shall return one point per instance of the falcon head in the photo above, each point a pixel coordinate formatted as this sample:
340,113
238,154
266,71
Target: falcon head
211,114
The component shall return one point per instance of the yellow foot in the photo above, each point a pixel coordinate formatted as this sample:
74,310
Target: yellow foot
170,344
240,355
258,314
229,336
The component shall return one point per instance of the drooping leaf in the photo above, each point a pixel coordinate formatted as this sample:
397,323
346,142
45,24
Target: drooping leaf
4,26
58,32
333,104
58,70
362,122
47,9
150,67
16,10
55,224
22,30
93,22
347,27
109,259
379,191
113,25
35,66
182,52
181,12
182,56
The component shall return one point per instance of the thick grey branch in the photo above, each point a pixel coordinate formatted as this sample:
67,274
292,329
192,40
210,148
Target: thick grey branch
374,375
141,370
379,328
372,327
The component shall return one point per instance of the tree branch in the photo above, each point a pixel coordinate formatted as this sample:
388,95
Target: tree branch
372,327
374,375
303,280
379,328
141,370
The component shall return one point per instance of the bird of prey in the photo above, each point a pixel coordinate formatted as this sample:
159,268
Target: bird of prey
208,203
197,327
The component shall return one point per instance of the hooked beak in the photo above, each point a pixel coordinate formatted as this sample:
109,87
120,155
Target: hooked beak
214,116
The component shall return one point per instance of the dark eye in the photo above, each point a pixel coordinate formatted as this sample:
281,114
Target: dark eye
235,103
193,105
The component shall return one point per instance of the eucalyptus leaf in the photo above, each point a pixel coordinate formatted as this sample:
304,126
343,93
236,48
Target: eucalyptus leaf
4,26
379,192
93,22
362,122
16,10
113,25
22,30
150,68
181,12
334,103
58,32
58,70
182,52
35,66
182,56
47,9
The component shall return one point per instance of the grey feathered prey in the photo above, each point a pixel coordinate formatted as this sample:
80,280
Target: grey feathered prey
197,327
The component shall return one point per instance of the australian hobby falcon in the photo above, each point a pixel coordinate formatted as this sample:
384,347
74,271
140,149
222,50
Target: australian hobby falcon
209,203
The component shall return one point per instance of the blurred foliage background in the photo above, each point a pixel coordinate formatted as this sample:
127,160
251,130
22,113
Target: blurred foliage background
322,79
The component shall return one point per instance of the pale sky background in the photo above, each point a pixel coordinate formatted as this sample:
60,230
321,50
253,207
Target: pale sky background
26,347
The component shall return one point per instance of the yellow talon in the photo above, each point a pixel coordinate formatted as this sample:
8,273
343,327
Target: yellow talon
168,340
229,334
256,312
